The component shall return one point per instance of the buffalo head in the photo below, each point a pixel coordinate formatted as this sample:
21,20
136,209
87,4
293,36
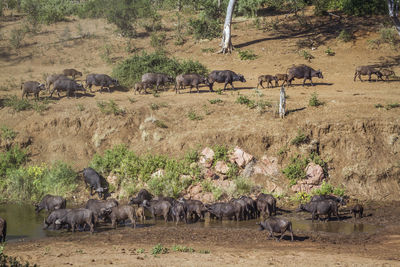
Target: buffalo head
241,78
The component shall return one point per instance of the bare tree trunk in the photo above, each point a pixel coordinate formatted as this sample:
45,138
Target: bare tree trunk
282,103
393,6
226,43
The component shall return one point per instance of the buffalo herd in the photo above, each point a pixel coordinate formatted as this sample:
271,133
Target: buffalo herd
104,210
62,82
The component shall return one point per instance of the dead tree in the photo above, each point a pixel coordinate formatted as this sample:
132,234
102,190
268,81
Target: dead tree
282,103
226,43
393,6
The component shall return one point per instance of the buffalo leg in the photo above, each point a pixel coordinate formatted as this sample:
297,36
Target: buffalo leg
133,220
355,76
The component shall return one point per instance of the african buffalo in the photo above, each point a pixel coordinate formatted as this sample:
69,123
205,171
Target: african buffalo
50,203
142,195
268,79
158,208
70,86
194,207
266,203
51,79
317,208
192,80
303,72
32,87
224,76
76,218
156,79
102,80
72,72
367,70
122,213
179,211
339,200
95,182
49,222
221,210
357,209
101,208
276,225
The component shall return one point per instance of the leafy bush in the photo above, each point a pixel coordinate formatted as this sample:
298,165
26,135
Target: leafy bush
12,159
47,11
158,40
327,188
7,134
123,13
244,100
180,248
207,24
295,170
159,249
302,197
16,37
16,103
111,159
329,52
192,115
220,153
314,101
345,36
215,101
131,70
388,35
33,182
301,138
247,55
12,261
391,106
361,7
110,107
243,186
192,156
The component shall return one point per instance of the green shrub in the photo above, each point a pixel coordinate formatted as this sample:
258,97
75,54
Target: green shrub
233,170
215,101
393,105
207,186
327,188
302,197
33,182
388,35
243,186
12,159
217,193
179,248
220,153
158,40
122,13
158,249
7,134
131,70
110,107
203,28
306,55
192,156
17,104
314,101
301,138
47,11
247,55
111,159
295,170
329,52
12,261
192,115
243,100
378,106
16,37
345,36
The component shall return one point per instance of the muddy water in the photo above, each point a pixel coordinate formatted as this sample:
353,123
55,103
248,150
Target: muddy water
23,223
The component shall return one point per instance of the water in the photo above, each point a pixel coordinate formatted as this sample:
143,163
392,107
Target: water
23,224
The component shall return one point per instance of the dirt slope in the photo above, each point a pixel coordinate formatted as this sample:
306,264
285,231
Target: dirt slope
361,142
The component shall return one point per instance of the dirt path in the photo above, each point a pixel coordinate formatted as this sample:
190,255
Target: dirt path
226,247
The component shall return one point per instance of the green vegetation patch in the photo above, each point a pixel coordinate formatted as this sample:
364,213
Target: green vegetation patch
131,70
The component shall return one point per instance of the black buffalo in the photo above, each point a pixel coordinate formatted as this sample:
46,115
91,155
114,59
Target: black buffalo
367,70
266,203
339,200
78,218
158,208
67,85
192,80
221,210
324,207
122,213
50,221
276,225
101,208
95,182
251,206
357,209
141,196
32,87
224,76
156,79
194,208
303,72
102,80
50,203
3,230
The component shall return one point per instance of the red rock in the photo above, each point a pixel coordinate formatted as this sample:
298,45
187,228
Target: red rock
206,157
221,167
267,166
240,157
315,174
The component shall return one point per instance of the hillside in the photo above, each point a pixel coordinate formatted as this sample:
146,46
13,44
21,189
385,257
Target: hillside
360,142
